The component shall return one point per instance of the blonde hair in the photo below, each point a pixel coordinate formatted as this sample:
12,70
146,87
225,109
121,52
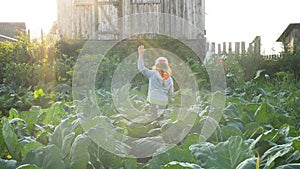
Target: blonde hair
167,69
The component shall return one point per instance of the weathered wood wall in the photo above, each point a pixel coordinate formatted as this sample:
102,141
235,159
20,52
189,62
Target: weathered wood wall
100,19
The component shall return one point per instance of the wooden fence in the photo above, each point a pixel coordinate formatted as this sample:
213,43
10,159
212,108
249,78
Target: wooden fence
236,48
240,49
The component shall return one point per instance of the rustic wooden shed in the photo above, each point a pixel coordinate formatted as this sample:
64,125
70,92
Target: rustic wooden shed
115,19
8,30
290,36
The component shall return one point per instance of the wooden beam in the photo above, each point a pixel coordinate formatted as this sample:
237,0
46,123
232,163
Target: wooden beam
145,1
116,2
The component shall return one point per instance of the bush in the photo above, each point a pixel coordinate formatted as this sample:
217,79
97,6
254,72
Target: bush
291,62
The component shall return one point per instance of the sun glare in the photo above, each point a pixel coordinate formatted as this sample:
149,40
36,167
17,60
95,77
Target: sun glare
37,14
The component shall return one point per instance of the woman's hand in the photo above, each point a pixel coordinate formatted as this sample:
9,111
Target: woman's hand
141,49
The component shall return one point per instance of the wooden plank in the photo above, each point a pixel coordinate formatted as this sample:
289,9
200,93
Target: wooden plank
184,16
161,22
199,14
178,26
224,48
145,1
165,25
95,19
230,49
237,48
127,6
83,2
189,8
145,17
213,47
219,49
243,48
109,3
173,19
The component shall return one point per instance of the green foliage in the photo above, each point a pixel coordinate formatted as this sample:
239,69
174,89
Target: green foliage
224,155
42,129
291,62
8,164
127,47
250,64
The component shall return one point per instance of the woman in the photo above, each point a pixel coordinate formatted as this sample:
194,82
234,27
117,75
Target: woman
160,82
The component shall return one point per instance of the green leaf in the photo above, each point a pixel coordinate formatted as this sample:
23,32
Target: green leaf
264,113
13,113
289,166
174,132
30,146
2,142
67,143
228,131
296,144
28,166
52,158
8,164
79,154
31,117
191,139
202,151
139,130
249,163
130,163
144,147
34,157
110,160
47,157
273,153
11,141
181,165
229,154
248,112
232,113
174,154
252,129
60,132
294,157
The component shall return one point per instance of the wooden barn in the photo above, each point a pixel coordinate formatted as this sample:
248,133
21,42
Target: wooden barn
119,19
290,37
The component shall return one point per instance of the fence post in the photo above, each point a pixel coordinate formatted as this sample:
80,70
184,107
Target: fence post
237,48
230,50
213,48
224,48
243,46
250,49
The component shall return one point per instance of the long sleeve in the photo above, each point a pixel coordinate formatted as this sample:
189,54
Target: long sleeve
145,71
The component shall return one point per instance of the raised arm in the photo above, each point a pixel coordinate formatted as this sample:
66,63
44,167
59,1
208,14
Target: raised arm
145,71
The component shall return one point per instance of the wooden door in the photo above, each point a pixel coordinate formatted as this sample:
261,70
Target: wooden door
109,26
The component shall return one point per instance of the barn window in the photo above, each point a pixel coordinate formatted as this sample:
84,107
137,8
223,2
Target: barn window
145,1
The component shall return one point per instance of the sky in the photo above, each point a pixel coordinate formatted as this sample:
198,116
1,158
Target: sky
243,20
37,14
225,20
